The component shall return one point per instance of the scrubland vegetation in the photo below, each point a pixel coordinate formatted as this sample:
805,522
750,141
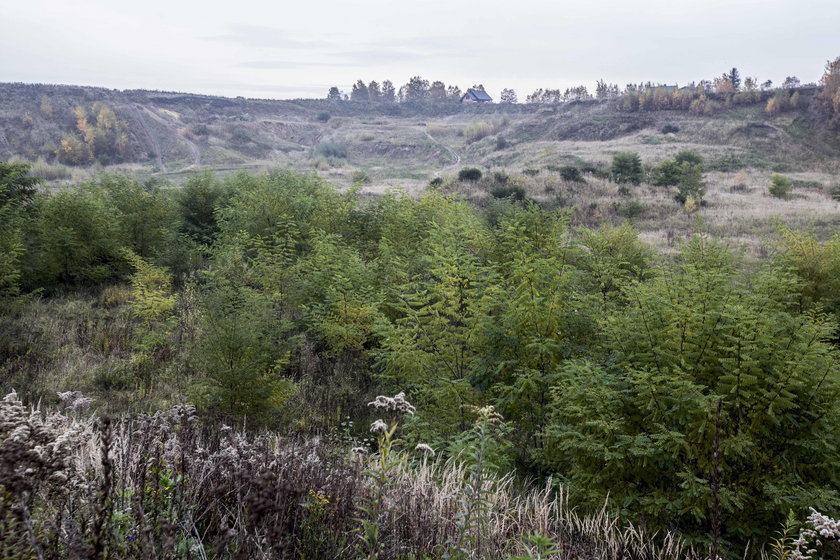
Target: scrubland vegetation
610,323
574,392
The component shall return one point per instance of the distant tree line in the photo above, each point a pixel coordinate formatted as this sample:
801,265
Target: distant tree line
417,89
707,97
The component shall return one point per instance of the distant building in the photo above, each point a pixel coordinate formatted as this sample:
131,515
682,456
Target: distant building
476,96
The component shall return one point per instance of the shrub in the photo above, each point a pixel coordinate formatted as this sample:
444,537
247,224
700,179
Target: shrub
689,156
669,129
200,130
727,163
515,192
331,149
366,136
240,135
666,173
779,186
436,182
630,210
323,116
571,173
531,172
595,170
469,174
501,143
690,184
699,340
627,168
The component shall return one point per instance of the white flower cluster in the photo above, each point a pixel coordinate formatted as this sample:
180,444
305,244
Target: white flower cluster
379,426
823,527
34,448
397,404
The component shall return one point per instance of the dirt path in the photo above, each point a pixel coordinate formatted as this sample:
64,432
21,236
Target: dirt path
139,110
456,159
191,146
196,153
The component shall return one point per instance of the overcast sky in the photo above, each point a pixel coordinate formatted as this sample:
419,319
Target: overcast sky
287,49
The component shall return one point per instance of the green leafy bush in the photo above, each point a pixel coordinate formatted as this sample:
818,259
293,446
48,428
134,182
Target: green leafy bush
516,192
571,173
640,425
779,186
627,168
666,173
469,174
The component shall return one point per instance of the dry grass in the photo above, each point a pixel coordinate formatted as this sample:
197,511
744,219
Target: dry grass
164,486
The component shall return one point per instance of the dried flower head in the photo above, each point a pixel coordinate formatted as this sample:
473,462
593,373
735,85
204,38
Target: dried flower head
397,404
379,426
425,449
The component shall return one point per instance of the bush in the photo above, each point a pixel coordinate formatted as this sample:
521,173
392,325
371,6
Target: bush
501,143
436,183
727,163
666,173
669,129
695,341
627,168
689,156
779,186
571,173
530,172
630,210
331,149
323,116
595,170
240,135
514,192
469,174
690,184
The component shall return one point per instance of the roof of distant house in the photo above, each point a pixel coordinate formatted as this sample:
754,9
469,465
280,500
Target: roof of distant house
477,95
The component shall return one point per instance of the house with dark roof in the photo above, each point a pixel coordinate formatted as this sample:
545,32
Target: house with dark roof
476,96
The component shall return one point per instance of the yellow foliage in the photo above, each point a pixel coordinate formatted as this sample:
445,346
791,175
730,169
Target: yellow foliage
81,120
46,107
152,290
105,117
72,151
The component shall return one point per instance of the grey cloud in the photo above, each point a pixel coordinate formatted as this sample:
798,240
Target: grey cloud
338,59
286,64
265,37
